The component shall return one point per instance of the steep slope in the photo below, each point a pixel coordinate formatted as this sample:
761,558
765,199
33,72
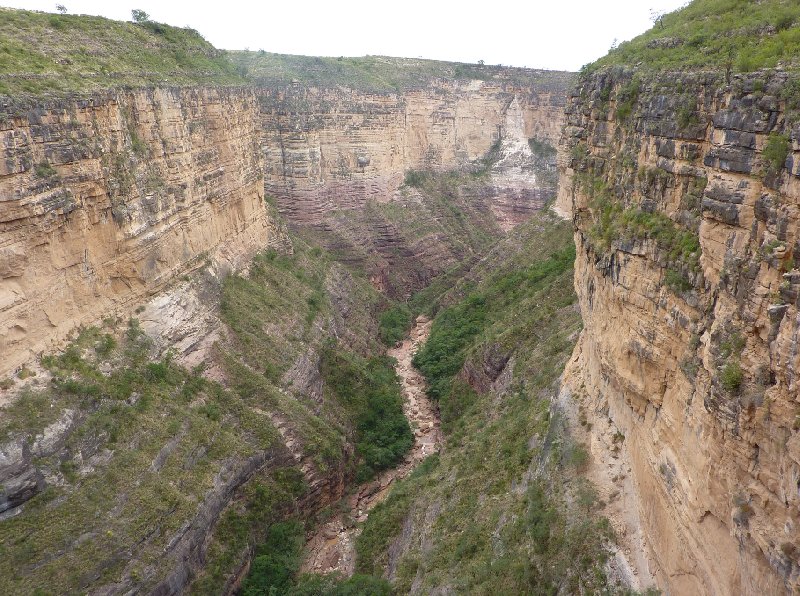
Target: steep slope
683,189
504,508
46,53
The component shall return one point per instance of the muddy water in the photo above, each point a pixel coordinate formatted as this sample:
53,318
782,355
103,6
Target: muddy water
332,547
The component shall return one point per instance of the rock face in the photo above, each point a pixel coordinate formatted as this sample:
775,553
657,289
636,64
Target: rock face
106,200
684,192
335,160
328,149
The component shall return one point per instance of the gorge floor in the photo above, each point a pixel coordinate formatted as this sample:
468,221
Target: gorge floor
331,547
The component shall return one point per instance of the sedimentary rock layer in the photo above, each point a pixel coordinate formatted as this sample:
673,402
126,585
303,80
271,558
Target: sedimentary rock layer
105,200
684,192
328,149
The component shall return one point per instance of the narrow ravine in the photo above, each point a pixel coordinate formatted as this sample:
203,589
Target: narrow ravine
332,547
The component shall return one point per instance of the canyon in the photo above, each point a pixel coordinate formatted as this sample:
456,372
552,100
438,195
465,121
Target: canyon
445,328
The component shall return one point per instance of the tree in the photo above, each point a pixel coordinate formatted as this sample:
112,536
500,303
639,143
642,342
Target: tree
657,17
139,16
61,8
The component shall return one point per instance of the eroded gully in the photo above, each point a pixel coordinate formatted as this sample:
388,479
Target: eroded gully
332,547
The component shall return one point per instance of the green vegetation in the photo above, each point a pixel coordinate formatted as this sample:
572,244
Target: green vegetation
627,98
775,152
276,564
85,53
613,222
44,170
731,375
542,149
276,561
455,328
737,35
468,519
111,490
374,73
394,323
369,390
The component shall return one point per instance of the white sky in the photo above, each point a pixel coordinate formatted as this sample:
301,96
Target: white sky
554,34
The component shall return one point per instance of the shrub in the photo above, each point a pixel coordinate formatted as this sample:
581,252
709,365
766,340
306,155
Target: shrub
276,561
370,391
732,377
44,170
775,152
416,178
393,324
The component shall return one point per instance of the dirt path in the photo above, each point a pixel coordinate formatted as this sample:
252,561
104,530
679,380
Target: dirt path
332,547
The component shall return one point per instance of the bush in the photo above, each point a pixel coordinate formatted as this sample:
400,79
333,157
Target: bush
44,170
394,323
732,377
775,152
416,178
370,392
276,561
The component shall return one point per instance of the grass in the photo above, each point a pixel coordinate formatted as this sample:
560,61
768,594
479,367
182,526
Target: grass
468,521
613,222
123,508
732,35
48,53
456,327
775,152
376,73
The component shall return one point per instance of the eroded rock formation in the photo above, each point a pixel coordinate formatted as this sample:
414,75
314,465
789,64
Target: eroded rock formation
683,189
106,200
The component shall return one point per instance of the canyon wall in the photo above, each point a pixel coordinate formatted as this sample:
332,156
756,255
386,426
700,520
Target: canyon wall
106,200
335,160
684,191
328,149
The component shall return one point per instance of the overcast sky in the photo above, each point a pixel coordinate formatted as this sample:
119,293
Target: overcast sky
554,34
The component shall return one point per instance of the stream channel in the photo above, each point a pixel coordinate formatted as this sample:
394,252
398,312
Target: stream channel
332,546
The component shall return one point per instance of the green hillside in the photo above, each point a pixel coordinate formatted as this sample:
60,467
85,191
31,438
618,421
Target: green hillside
373,73
41,52
740,35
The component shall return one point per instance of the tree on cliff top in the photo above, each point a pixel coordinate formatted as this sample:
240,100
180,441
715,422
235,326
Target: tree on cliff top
139,16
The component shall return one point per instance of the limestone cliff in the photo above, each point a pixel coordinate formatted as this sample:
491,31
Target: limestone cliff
335,160
684,192
106,200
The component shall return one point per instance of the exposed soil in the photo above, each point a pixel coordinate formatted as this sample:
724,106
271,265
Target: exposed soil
332,547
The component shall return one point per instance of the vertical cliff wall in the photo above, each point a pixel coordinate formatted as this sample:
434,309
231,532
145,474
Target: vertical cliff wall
105,200
336,148
684,192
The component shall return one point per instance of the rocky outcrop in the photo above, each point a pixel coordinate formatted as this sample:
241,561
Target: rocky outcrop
683,190
106,200
335,160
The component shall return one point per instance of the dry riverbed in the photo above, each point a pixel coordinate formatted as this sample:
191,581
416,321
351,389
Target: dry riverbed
332,547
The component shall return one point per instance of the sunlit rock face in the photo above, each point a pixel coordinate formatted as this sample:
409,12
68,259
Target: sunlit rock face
106,200
686,225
